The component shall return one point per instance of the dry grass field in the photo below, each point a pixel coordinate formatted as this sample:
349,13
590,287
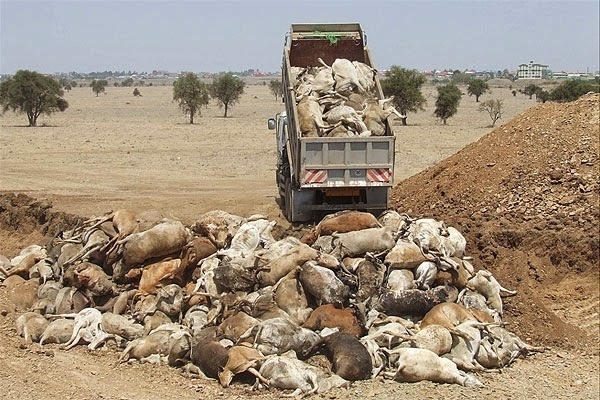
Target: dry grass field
119,151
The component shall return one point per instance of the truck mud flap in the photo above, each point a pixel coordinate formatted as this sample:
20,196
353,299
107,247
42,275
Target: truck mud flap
298,204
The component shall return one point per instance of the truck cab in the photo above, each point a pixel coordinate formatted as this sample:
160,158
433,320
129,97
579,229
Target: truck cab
280,126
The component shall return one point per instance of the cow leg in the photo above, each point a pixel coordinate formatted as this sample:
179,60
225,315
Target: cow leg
296,392
75,337
507,292
99,339
258,376
27,335
124,357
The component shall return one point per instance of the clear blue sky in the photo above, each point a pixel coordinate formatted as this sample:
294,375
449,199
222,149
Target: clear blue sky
86,36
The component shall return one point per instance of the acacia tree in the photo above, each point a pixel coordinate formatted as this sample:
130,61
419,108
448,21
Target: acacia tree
531,89
31,93
447,102
98,86
542,96
191,94
405,86
227,90
459,78
477,87
493,108
571,90
276,88
65,84
127,82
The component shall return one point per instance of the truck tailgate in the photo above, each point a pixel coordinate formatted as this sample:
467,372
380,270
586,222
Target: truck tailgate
342,162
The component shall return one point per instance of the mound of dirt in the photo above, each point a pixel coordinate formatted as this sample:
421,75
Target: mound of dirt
526,198
25,220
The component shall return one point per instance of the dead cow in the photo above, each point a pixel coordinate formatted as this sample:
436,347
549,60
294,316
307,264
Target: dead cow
196,250
26,259
371,275
405,255
58,331
243,243
322,284
124,223
399,280
278,268
466,342
210,356
450,315
162,239
235,325
161,273
425,275
31,326
432,337
88,328
121,326
291,298
158,343
70,300
347,76
346,115
218,226
290,373
477,301
416,365
485,283
240,359
358,243
310,117
341,222
415,302
278,335
94,279
375,113
328,316
350,358
500,347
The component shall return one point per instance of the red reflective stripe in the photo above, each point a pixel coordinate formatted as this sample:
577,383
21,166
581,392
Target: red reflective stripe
315,176
379,175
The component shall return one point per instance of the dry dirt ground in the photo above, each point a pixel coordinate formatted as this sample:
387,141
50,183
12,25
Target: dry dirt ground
524,194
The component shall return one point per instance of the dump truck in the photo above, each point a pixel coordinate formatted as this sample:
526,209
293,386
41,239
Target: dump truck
320,175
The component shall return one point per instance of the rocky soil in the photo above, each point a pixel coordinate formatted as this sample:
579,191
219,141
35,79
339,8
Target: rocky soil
526,197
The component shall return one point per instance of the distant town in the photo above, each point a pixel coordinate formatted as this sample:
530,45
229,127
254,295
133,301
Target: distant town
528,70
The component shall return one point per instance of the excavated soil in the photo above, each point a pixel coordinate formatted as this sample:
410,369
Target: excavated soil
525,195
526,198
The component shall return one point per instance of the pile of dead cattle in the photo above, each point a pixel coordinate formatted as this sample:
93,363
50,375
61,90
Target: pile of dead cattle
394,296
340,100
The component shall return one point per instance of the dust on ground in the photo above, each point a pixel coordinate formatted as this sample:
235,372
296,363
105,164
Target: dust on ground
526,198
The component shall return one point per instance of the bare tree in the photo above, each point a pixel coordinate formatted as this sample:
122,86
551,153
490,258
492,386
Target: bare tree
493,108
